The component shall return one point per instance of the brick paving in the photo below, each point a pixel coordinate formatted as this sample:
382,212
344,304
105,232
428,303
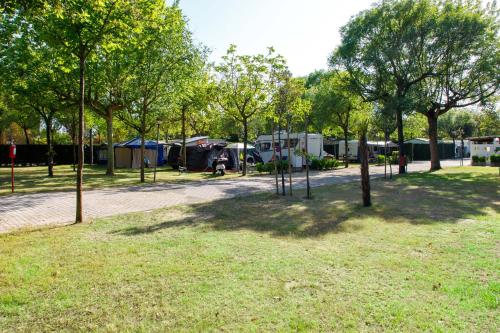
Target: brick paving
58,208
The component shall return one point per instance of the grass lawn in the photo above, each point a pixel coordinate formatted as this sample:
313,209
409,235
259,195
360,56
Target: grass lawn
425,257
35,179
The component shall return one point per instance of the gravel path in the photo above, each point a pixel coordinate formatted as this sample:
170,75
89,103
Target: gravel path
58,208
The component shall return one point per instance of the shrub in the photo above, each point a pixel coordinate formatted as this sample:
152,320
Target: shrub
316,164
324,164
478,159
380,159
395,157
495,159
269,166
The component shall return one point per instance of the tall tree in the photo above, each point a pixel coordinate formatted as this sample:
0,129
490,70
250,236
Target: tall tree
466,56
334,104
245,87
77,28
161,56
386,52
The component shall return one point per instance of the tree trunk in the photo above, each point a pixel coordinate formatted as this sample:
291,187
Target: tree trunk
433,141
281,159
401,139
346,142
110,170
365,172
308,184
50,151
73,142
274,160
289,157
81,123
26,135
245,140
184,150
143,147
91,146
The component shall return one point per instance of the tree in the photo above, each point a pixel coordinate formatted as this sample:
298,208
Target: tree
289,108
76,29
334,104
383,121
245,86
386,51
456,125
488,120
161,57
466,56
108,72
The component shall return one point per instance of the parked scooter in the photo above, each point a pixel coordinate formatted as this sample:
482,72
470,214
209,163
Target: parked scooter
220,166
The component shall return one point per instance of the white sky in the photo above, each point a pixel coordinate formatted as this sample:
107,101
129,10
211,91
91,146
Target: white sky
305,32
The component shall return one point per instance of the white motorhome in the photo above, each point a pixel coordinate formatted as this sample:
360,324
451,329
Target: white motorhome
263,145
352,149
485,146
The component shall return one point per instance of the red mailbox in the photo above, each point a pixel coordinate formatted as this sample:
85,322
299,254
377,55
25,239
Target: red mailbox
12,151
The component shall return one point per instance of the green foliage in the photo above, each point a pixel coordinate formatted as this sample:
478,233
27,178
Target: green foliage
479,159
324,164
269,166
495,159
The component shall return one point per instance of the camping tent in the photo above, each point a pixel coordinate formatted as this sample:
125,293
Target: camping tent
128,154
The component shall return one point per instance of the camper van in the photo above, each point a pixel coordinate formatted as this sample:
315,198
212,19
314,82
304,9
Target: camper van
263,145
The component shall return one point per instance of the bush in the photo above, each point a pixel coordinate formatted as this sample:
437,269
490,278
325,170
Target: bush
269,167
478,159
495,159
324,164
381,159
316,164
395,157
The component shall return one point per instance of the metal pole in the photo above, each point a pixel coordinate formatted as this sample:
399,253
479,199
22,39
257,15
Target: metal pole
156,154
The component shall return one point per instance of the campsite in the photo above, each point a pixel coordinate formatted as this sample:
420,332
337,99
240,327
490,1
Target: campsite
249,166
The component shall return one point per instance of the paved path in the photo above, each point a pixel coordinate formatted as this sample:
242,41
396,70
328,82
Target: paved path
58,208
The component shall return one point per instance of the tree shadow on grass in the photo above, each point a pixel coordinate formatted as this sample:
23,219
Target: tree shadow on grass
426,198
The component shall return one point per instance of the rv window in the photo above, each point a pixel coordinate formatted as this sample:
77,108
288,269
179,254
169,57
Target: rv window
293,143
265,146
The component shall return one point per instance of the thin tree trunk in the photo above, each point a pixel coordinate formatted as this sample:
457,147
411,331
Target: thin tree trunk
385,157
289,157
184,150
401,139
433,142
281,164
365,172
26,135
143,147
91,144
274,159
81,123
245,142
308,185
346,142
50,149
110,170
73,142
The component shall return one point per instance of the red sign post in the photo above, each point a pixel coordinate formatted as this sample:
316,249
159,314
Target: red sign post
12,155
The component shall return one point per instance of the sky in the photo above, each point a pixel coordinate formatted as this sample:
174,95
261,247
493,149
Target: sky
305,32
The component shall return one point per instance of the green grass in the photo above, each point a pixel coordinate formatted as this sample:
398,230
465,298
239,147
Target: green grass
425,257
35,179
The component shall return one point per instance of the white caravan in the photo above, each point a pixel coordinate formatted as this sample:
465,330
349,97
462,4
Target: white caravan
352,149
263,145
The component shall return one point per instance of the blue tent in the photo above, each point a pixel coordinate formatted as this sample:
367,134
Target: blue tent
127,154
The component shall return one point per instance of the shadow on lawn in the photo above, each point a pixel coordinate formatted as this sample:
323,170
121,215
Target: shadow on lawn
416,198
